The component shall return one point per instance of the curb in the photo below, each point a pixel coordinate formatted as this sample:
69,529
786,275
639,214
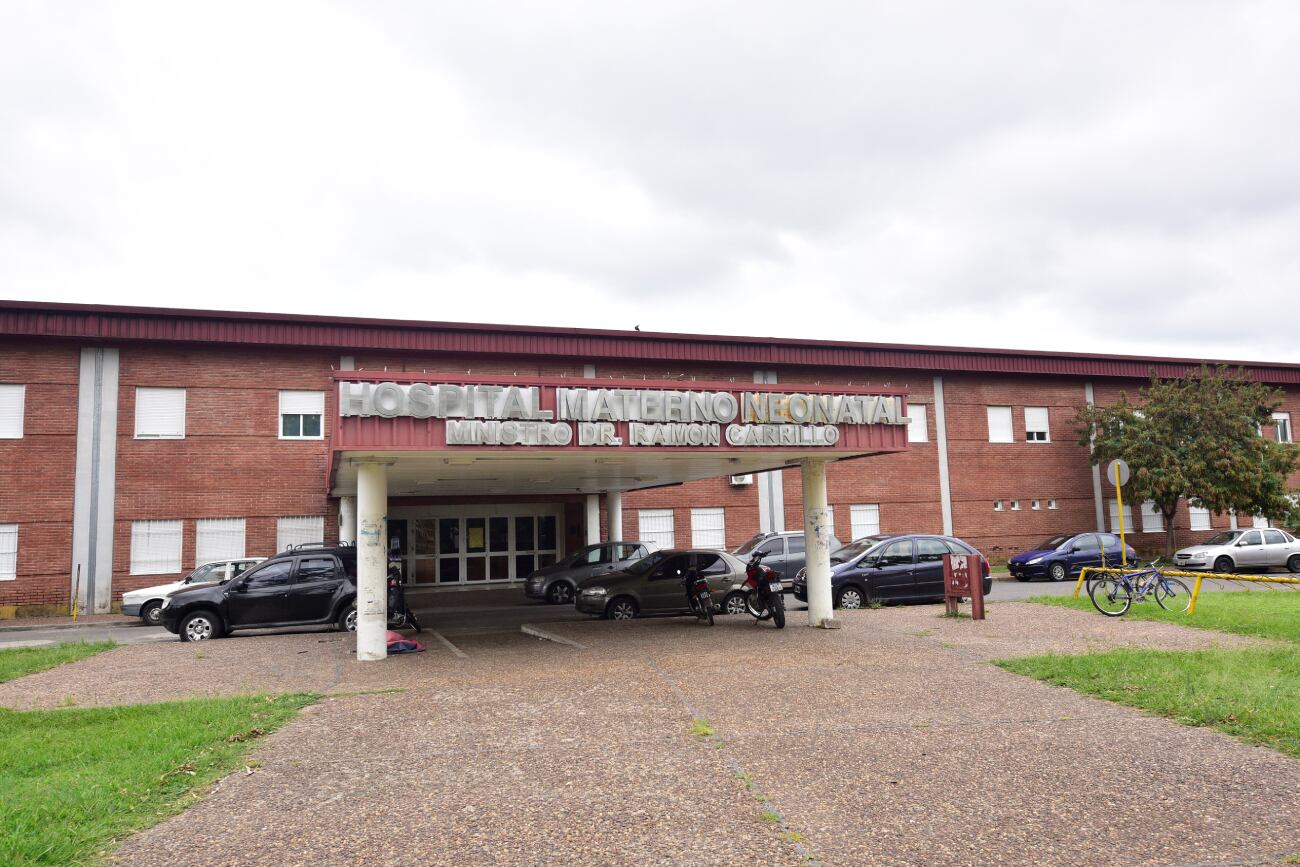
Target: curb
111,624
530,629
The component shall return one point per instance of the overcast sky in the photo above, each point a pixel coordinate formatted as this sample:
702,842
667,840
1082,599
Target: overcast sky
1081,176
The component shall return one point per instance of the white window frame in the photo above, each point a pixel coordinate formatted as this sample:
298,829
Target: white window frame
8,552
298,530
152,399
1152,520
1037,425
917,429
709,527
1015,505
1129,526
156,546
218,539
661,539
1282,427
1199,515
1001,424
302,404
1036,505
13,406
864,520
1051,504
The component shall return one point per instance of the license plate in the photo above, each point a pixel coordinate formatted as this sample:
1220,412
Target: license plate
775,586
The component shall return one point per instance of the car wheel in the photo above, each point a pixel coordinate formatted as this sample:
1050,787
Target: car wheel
560,593
850,598
734,603
1056,572
1293,563
622,608
348,619
200,626
1223,564
151,614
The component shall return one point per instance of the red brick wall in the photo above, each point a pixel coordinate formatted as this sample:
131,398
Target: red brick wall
40,469
231,463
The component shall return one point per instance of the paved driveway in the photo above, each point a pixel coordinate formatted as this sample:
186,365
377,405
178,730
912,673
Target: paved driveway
891,741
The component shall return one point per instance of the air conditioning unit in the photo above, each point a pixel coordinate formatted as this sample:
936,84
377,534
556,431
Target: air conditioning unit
746,479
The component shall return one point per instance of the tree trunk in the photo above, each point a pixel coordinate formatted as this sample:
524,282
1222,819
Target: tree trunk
1169,530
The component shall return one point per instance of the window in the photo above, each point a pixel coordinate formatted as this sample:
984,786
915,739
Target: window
917,432
864,520
708,528
315,569
796,544
303,530
1251,538
1036,505
1152,520
1129,526
1051,504
997,505
896,554
13,399
1271,537
271,575
1036,430
1000,430
155,547
300,415
773,547
1086,543
218,539
930,550
1259,522
160,413
711,564
8,552
1281,425
1015,505
656,526
1200,517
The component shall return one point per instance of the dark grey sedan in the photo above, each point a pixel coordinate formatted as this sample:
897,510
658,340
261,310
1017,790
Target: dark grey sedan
655,585
557,583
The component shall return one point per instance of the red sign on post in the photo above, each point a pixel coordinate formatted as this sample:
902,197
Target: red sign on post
963,578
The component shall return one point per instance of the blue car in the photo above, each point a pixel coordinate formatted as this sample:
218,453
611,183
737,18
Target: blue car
1064,555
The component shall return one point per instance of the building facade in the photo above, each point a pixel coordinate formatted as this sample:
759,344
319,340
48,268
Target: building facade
137,443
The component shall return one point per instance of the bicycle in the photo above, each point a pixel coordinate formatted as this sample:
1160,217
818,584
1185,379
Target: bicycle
1114,595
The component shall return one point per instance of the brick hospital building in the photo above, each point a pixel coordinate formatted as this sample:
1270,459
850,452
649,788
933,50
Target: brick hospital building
136,443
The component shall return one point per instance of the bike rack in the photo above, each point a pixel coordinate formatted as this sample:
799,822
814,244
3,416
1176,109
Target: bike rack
1178,573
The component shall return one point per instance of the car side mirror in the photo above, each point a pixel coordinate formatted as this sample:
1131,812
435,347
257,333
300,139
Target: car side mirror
238,586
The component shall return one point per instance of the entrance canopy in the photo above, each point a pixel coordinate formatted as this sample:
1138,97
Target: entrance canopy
474,437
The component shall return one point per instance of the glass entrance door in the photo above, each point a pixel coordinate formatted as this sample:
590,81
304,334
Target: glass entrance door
469,548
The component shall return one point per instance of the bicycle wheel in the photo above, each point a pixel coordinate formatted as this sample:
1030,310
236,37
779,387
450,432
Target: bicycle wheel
1110,596
1173,595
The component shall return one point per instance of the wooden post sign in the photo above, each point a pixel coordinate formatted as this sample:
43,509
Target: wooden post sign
962,580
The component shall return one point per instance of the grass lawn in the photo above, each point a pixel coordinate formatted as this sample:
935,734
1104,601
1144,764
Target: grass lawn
19,661
75,781
1260,613
1250,693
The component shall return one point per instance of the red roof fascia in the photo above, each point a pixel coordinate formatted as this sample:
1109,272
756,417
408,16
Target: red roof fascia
146,324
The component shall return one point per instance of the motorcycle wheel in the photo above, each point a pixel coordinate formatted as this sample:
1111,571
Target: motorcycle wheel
706,609
778,612
756,609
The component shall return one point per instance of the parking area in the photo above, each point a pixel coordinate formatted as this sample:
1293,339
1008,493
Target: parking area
890,741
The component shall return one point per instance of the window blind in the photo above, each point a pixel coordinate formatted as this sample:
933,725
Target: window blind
865,519
160,413
656,527
299,530
1000,430
708,528
155,547
218,539
13,399
8,552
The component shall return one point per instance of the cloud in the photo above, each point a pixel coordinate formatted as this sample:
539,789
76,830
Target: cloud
1095,177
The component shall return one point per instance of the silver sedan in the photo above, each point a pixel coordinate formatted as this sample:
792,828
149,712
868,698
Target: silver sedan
1242,551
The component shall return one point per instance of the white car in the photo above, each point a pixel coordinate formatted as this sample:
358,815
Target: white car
1242,551
147,601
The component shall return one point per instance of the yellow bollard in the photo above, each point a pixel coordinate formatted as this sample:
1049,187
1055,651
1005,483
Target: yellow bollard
1196,592
1079,584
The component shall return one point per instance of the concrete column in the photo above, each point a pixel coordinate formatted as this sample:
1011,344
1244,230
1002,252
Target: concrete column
614,515
593,518
1099,504
372,561
348,519
817,542
945,479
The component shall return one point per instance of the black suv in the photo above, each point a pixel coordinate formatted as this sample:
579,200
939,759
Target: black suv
308,584
783,552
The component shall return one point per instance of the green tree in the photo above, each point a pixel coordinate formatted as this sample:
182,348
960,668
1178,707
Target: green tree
1198,438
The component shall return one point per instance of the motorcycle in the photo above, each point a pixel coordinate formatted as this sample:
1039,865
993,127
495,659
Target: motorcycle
762,589
399,613
697,593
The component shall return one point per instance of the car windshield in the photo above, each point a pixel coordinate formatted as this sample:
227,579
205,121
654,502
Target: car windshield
201,574
645,564
581,557
856,548
750,545
1224,538
1054,542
